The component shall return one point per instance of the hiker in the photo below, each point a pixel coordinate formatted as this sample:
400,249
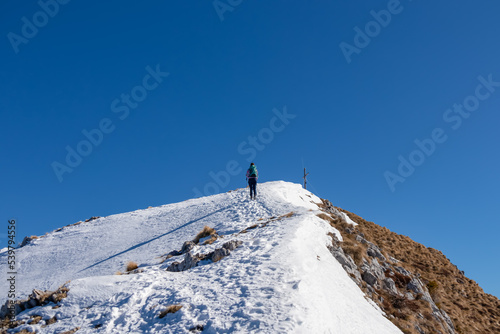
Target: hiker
252,176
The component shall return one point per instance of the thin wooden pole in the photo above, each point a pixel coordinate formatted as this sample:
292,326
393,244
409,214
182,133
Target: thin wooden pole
305,178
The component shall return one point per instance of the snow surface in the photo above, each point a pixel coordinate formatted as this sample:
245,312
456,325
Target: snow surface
282,279
348,219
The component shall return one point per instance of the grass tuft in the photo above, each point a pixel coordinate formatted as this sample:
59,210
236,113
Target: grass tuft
205,232
131,265
432,287
170,309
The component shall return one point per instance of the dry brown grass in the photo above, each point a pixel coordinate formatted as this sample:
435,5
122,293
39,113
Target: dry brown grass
355,250
400,279
351,247
131,265
6,323
60,294
35,319
170,309
54,296
205,232
470,308
326,217
210,241
339,224
250,228
287,215
51,321
432,287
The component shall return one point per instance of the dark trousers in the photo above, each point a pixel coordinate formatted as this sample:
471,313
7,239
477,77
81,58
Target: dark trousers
253,187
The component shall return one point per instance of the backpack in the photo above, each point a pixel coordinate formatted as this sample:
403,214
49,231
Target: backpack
253,171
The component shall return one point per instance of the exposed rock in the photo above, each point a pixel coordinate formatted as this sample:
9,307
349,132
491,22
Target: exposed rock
349,230
189,262
328,207
389,285
420,330
361,239
377,269
409,296
232,245
187,247
371,291
369,278
27,241
416,286
346,262
51,321
197,328
402,270
219,254
374,251
226,249
36,298
447,319
372,273
393,260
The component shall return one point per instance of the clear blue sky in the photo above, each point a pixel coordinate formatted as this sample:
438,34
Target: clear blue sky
104,66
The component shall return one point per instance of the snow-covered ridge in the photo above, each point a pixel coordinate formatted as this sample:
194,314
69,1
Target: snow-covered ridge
282,279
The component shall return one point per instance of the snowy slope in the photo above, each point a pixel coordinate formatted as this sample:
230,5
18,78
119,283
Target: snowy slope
282,279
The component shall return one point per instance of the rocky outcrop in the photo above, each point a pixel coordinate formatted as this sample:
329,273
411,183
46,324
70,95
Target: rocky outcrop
28,240
399,292
191,260
186,247
36,298
328,207
345,260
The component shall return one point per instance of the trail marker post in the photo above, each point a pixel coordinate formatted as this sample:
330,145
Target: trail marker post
305,178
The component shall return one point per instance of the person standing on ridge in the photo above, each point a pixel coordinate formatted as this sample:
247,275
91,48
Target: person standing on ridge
252,176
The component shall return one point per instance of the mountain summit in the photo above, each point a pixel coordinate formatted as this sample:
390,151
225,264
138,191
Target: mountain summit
288,262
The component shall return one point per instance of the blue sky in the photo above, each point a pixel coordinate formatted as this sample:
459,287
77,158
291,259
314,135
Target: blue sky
174,93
